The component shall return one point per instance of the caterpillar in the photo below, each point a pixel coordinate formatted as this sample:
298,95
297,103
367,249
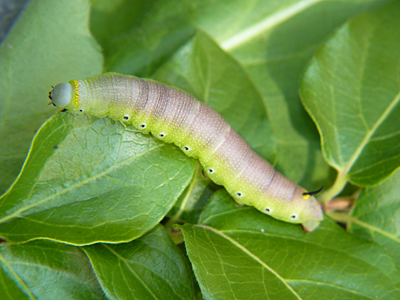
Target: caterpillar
174,116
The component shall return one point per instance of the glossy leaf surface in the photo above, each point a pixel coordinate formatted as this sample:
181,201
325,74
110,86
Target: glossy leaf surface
151,267
46,270
239,254
88,180
351,90
376,215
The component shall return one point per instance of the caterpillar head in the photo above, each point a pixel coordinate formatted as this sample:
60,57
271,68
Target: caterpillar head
68,96
62,95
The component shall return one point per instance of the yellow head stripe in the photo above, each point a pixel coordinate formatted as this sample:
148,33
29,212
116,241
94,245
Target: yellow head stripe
76,84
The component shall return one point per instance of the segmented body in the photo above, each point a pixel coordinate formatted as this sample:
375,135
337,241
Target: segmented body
174,116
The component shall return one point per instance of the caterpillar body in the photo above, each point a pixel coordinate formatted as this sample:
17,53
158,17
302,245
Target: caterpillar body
174,116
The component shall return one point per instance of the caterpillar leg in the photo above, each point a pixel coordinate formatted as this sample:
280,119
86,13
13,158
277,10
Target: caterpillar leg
310,225
130,128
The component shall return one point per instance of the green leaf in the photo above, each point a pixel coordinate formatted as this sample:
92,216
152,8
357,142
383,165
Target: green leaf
151,267
49,44
376,215
46,270
238,253
226,270
351,90
139,36
197,291
274,42
193,200
88,180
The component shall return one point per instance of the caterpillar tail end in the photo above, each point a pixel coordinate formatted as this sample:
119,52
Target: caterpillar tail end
61,95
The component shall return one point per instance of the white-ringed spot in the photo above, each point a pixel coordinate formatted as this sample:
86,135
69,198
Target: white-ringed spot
186,148
268,210
126,117
211,171
142,126
161,135
294,217
239,194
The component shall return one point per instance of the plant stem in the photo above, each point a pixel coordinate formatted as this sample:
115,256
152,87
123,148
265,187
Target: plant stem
340,217
335,189
176,218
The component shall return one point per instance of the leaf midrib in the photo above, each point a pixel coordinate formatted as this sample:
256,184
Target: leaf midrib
274,20
17,278
250,254
81,183
370,133
125,262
